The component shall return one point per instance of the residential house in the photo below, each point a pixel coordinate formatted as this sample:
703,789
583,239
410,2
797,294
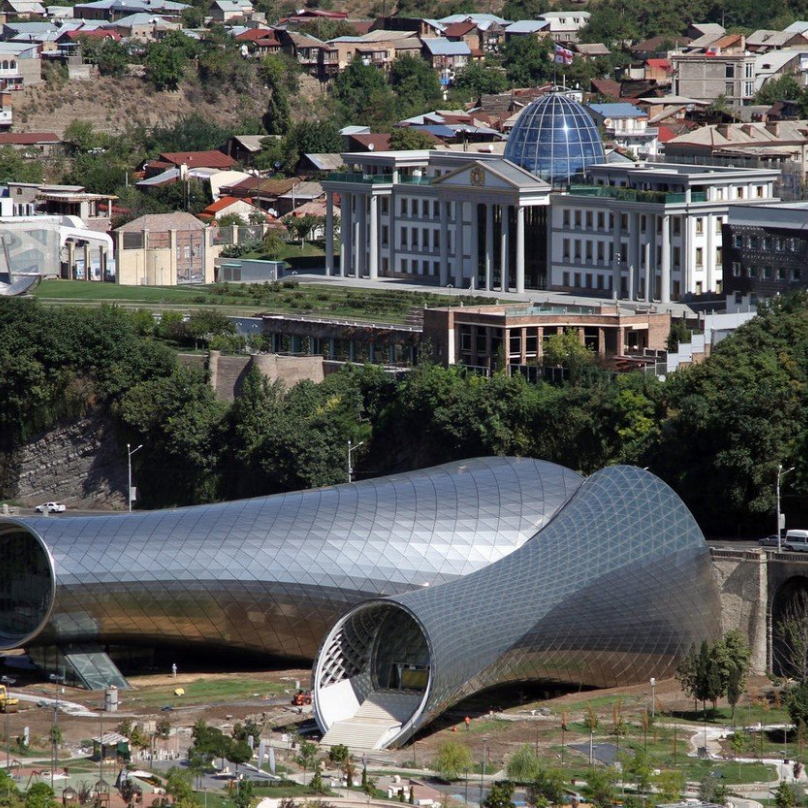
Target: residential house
110,10
446,57
225,11
305,50
263,193
378,48
34,143
143,27
66,200
6,111
165,249
764,41
259,42
779,145
538,29
367,142
301,193
231,206
20,65
564,26
188,160
244,148
722,69
22,9
658,47
702,35
466,31
660,71
589,51
412,25
627,126
771,66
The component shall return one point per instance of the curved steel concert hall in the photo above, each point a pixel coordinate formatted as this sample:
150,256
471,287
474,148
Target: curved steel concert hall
410,592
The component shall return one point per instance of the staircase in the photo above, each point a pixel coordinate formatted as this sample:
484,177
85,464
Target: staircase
381,712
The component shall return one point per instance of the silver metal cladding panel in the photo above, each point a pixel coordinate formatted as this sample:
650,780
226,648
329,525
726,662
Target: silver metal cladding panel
273,574
614,590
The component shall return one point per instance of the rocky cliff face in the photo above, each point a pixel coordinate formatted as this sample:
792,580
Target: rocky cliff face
79,462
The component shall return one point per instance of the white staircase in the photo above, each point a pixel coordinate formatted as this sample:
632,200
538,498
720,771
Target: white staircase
380,712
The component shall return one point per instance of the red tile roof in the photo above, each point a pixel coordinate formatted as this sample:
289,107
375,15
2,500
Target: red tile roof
665,134
198,159
378,142
255,34
94,33
28,138
659,64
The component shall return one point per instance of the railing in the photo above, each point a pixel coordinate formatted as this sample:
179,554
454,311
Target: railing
376,179
635,195
409,179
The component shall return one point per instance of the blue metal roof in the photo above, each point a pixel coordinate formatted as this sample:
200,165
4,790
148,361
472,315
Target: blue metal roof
618,110
443,47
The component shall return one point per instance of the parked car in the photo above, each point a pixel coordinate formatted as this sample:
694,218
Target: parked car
770,541
51,507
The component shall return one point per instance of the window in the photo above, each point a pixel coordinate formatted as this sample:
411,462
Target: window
677,257
589,219
767,243
795,274
565,279
425,239
403,236
719,193
677,225
404,207
759,191
566,218
718,222
577,218
699,256
600,251
414,238
729,88
404,265
767,273
736,269
385,205
601,219
436,209
385,233
577,250
699,226
588,250
624,221
739,193
729,71
781,273
749,71
425,208
719,256
436,239
566,248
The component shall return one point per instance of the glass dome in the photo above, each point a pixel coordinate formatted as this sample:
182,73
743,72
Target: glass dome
555,138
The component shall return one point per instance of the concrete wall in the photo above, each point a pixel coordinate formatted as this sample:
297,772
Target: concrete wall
742,579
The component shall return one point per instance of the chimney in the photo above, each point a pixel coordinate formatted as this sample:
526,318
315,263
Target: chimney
773,127
748,129
723,129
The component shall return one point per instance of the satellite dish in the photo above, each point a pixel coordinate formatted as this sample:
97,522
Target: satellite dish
371,147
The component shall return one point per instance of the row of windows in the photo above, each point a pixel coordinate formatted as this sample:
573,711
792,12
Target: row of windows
412,237
597,219
766,273
578,250
420,267
766,243
425,208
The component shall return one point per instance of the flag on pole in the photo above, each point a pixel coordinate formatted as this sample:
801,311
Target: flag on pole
563,56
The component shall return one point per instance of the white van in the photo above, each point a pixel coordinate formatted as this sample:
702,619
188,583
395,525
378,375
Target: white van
796,540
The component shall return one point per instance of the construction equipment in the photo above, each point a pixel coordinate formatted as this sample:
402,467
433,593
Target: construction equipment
301,698
7,704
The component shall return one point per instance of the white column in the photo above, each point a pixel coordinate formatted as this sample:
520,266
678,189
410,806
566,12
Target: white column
520,249
489,246
617,272
474,251
504,254
709,254
373,241
444,242
460,243
648,276
362,238
346,234
329,233
665,294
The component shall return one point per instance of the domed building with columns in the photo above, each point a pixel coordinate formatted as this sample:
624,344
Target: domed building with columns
551,213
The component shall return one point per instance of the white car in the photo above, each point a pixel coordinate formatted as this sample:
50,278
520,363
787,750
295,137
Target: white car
51,507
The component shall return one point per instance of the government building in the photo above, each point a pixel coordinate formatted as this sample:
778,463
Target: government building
551,213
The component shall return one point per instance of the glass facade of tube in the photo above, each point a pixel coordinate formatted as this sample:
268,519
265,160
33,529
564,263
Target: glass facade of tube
555,138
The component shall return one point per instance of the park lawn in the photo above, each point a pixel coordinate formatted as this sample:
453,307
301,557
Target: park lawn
86,291
203,691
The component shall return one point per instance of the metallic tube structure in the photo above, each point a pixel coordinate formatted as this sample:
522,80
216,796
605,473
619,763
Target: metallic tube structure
613,590
268,575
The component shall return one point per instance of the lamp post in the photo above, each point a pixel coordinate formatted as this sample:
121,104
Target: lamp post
351,450
780,473
8,682
617,277
59,680
129,452
653,697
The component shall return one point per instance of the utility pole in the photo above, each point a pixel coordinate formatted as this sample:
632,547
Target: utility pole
780,519
351,450
129,452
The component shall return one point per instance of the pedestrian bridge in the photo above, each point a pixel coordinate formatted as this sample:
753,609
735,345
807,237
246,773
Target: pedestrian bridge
756,588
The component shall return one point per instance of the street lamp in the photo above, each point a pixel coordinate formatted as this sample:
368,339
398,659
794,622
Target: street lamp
617,277
653,697
59,680
780,473
351,450
8,682
129,452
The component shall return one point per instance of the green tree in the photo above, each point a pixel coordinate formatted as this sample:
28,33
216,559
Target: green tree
300,227
567,350
599,790
363,96
311,137
40,795
500,795
405,138
547,787
477,79
16,168
637,768
452,759
165,66
670,784
526,61
415,84
785,796
524,9
679,333
307,755
782,88
80,136
243,798
733,657
523,765
317,786
791,639
338,754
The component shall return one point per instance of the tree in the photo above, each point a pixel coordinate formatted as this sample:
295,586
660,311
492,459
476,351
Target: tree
477,79
638,769
364,97
311,137
301,226
679,333
526,61
500,795
307,754
599,788
40,795
405,138
15,168
791,638
524,9
165,66
243,797
733,658
415,84
670,784
797,703
338,754
548,787
452,759
523,765
782,88
348,769
317,786
784,797
567,350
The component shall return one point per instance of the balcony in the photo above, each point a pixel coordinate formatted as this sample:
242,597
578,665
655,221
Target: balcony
376,179
635,195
